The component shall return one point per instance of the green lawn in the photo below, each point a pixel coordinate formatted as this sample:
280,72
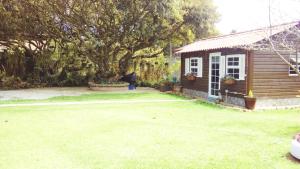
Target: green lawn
180,135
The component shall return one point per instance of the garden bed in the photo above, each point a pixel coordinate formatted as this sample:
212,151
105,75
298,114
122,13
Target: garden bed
99,87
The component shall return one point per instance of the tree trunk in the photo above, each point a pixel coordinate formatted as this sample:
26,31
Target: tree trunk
124,63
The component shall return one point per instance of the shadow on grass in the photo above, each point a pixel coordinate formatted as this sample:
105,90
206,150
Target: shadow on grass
292,159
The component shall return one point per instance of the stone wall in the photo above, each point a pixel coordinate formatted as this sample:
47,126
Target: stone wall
229,99
195,93
260,104
234,101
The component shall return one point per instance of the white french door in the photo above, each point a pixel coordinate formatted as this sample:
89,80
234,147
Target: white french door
214,75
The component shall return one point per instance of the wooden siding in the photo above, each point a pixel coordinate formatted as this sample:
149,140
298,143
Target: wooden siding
271,76
201,84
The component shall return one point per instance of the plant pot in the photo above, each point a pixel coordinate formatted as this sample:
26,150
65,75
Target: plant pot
229,82
191,78
165,88
177,88
295,151
250,102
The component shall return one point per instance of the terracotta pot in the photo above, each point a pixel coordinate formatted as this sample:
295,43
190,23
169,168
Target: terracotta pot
177,88
250,102
191,78
229,82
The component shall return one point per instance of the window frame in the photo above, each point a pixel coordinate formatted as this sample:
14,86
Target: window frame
199,66
194,67
297,65
241,65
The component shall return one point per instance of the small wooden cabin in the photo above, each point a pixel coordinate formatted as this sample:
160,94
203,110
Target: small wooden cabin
263,72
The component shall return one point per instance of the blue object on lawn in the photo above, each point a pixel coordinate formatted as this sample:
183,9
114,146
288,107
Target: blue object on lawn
131,87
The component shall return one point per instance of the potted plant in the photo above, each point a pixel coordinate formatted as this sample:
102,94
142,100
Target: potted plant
191,76
229,80
250,101
166,86
177,88
295,151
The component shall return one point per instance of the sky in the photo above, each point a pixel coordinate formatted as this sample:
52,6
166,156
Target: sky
242,15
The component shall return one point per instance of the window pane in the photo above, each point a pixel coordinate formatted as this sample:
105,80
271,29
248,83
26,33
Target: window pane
194,70
194,62
214,73
233,70
236,76
237,71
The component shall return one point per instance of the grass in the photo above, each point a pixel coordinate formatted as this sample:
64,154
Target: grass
179,135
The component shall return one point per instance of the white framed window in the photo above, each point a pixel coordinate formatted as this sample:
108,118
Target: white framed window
194,65
235,66
295,61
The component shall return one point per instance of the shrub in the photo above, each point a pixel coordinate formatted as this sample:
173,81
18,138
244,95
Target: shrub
13,82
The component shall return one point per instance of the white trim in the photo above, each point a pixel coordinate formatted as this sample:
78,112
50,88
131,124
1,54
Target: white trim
199,66
209,75
187,66
223,67
215,54
241,66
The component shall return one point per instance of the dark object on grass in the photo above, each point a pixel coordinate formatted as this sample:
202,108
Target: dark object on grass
131,87
131,79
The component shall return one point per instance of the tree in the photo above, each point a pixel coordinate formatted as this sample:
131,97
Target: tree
287,41
112,34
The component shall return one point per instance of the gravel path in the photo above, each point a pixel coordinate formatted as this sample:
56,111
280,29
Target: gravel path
45,93
92,102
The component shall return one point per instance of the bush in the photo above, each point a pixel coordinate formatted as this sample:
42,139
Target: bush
13,82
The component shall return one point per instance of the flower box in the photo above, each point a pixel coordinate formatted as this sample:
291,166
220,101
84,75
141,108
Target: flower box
229,80
191,77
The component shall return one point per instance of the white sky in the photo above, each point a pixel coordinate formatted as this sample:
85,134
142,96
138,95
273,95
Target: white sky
244,15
